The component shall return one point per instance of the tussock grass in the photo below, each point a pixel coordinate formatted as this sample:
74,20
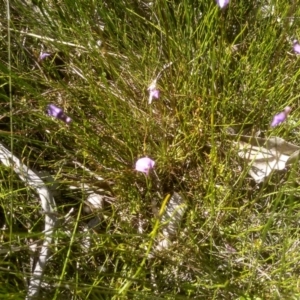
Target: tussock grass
231,68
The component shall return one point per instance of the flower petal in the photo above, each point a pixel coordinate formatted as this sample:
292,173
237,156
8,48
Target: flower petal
43,55
222,3
144,164
296,47
58,113
281,117
153,92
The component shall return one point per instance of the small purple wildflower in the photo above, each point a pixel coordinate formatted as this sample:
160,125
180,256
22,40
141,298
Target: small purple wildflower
153,92
296,47
57,113
222,3
281,117
144,164
43,55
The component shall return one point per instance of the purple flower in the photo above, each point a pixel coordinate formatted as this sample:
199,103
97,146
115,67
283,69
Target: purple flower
296,47
222,3
278,119
43,55
144,164
153,92
58,113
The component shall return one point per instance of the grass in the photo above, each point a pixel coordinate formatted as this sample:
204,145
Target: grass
232,67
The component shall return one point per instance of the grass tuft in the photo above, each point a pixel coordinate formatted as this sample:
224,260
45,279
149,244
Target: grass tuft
231,68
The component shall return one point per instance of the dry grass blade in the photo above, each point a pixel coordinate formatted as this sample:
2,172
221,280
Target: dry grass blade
31,179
